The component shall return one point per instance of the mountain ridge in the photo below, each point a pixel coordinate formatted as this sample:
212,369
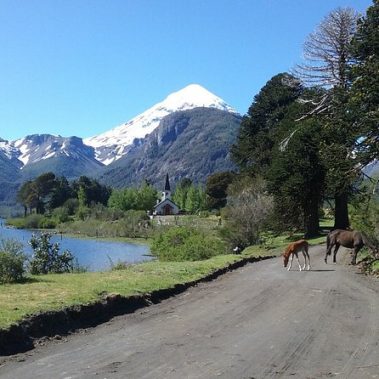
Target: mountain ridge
113,144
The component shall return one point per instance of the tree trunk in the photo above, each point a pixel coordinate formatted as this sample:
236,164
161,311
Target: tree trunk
341,213
311,219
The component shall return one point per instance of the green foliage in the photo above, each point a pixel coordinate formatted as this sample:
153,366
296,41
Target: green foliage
46,192
181,190
12,261
364,213
119,265
90,191
47,223
364,99
31,221
47,258
60,215
143,198
296,180
71,205
186,244
276,143
110,223
256,139
60,193
216,189
189,197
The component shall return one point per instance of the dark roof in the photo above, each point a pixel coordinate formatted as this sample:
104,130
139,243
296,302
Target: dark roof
167,185
164,201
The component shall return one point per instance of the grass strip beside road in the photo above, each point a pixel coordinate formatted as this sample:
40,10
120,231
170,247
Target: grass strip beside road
57,291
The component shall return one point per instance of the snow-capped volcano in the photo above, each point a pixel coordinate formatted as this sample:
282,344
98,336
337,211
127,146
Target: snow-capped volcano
115,143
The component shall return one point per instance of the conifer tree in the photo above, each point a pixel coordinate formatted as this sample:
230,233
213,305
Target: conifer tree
364,97
328,60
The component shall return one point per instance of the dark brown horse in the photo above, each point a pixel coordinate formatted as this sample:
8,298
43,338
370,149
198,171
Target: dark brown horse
352,239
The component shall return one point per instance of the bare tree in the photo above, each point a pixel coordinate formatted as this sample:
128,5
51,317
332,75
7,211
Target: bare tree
327,59
327,50
248,208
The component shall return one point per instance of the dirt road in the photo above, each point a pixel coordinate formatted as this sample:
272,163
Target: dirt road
259,321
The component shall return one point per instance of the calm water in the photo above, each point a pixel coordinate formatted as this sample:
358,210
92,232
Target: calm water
93,254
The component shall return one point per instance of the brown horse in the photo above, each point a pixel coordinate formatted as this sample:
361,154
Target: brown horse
352,239
292,250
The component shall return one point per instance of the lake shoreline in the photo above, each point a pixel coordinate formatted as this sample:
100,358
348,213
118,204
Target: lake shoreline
93,253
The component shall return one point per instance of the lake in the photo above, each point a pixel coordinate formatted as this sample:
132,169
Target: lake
95,255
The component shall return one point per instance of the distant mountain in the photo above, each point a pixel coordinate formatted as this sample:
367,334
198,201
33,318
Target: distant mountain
372,169
63,156
9,172
193,144
114,144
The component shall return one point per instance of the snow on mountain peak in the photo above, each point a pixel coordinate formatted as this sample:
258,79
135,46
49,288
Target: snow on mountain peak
114,143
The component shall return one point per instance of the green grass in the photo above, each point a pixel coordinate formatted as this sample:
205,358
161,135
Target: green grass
326,223
56,291
375,268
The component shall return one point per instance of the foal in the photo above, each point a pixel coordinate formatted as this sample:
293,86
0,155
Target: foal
293,249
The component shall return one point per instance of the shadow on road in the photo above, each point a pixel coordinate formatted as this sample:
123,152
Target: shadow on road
326,270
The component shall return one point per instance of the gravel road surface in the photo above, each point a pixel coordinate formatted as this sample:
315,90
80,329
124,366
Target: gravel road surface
259,321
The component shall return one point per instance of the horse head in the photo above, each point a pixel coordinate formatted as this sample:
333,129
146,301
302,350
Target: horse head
285,259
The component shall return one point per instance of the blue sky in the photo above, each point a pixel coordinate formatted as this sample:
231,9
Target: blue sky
82,67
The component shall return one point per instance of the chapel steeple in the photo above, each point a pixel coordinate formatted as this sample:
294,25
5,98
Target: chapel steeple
166,194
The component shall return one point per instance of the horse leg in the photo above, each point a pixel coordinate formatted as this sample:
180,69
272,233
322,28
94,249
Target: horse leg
335,252
298,261
355,253
306,255
305,259
290,265
328,251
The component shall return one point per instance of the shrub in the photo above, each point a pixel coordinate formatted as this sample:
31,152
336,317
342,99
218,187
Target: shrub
247,212
186,244
46,223
12,261
31,221
47,258
71,205
60,214
120,265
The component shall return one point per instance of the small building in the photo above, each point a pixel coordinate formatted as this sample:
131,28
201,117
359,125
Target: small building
166,206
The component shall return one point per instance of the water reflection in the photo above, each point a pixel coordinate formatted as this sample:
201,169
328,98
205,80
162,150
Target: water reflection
94,254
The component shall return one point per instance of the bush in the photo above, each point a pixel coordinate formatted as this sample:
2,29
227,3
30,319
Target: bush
12,261
60,215
71,206
247,212
47,223
31,221
186,244
47,258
